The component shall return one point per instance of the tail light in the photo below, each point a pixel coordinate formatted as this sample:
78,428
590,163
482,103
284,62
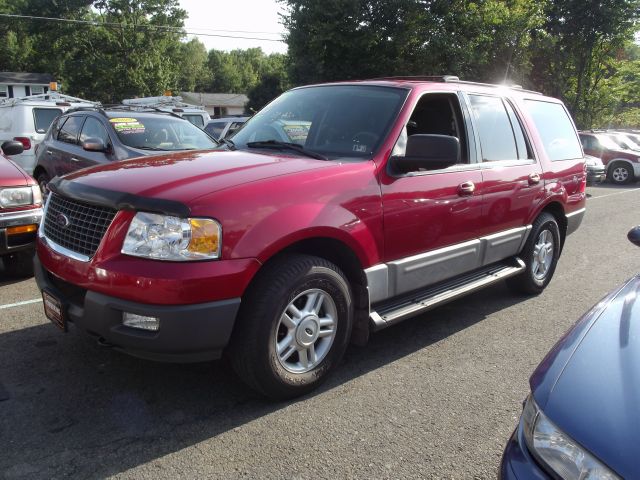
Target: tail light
25,141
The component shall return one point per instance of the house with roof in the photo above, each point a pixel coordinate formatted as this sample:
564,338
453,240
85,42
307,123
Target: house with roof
22,84
217,104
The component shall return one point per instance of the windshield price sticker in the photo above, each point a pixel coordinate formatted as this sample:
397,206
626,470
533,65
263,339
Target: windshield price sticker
127,125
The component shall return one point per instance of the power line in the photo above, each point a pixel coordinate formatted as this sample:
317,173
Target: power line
148,26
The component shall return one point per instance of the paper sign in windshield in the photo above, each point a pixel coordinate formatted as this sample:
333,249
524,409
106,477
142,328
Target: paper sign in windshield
297,133
127,125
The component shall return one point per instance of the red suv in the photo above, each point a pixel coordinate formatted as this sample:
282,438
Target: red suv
337,210
622,165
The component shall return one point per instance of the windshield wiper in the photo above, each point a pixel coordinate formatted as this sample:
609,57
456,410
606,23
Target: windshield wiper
286,145
228,143
144,147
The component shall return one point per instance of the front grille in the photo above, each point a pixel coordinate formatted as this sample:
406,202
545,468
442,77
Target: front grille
76,226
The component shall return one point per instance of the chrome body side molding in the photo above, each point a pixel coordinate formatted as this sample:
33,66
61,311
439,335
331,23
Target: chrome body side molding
388,280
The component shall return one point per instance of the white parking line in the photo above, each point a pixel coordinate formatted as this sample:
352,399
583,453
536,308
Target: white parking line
616,193
18,304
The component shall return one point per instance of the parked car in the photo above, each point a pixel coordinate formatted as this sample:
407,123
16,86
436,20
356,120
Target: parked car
20,213
86,137
224,127
622,166
194,113
26,120
595,169
581,418
405,194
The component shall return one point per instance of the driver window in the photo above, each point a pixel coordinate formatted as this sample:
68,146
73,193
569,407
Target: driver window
435,114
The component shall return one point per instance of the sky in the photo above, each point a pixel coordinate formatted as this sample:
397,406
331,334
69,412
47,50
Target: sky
238,18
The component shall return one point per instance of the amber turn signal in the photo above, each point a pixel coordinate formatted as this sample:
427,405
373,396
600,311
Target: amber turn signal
22,229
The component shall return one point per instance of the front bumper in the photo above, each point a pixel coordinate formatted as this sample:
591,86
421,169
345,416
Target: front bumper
21,241
187,333
596,174
517,463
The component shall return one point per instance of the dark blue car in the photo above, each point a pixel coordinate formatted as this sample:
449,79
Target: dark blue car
582,418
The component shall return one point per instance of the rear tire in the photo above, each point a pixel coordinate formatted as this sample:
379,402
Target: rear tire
19,264
620,174
43,179
294,326
540,255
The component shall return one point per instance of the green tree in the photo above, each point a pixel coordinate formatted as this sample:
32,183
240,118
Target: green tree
193,73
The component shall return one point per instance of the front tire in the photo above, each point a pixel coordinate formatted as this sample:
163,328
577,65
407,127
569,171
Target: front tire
43,180
294,326
540,255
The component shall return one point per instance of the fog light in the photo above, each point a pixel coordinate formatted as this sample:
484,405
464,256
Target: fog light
141,322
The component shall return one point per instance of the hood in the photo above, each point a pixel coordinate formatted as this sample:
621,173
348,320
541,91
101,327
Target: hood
185,176
10,174
596,396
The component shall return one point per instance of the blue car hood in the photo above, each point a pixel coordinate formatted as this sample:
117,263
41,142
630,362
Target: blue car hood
589,384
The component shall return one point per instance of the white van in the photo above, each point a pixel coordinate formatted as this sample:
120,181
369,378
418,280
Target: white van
26,120
194,113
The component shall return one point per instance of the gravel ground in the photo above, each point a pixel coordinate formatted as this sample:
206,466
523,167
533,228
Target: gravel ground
434,397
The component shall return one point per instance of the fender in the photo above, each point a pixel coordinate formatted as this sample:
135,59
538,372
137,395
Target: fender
295,223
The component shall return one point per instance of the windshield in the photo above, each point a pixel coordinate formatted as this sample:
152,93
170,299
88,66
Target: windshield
336,121
160,132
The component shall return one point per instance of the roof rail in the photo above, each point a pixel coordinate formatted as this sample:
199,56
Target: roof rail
51,96
454,79
160,102
423,78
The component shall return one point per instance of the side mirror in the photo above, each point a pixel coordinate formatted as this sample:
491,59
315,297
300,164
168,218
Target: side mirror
634,235
12,147
94,145
428,152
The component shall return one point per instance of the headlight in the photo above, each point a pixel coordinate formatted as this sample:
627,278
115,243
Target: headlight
163,237
557,450
20,196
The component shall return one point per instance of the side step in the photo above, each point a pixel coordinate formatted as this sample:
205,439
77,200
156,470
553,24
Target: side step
389,313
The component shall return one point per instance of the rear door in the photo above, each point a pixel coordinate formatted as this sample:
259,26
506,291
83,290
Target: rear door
61,149
512,176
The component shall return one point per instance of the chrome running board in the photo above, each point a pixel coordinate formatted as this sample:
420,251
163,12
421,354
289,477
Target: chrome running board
388,313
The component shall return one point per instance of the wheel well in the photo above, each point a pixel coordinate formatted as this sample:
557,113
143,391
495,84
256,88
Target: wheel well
39,170
557,211
616,161
342,256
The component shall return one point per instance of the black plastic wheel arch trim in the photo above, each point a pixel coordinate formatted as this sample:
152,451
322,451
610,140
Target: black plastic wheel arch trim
116,200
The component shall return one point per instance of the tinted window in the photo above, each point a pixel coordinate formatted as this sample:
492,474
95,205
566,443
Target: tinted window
70,129
92,128
160,132
497,140
555,128
195,119
215,128
43,117
334,120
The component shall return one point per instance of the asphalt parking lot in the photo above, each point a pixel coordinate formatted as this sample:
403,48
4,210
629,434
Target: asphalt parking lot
434,397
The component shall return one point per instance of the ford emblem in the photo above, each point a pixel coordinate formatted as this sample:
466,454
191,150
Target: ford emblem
62,220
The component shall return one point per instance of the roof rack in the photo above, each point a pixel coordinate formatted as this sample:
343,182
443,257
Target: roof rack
160,102
454,79
51,96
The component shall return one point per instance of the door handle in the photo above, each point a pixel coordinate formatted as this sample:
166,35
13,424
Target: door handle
466,188
74,159
49,152
534,178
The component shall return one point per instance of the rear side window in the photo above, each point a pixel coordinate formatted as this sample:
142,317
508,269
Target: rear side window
70,129
495,128
42,118
556,129
195,119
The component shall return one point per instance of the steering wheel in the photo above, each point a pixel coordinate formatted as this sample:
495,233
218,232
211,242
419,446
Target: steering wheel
365,137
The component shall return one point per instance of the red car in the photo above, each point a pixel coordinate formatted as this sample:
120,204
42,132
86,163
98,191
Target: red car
622,166
397,195
20,213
